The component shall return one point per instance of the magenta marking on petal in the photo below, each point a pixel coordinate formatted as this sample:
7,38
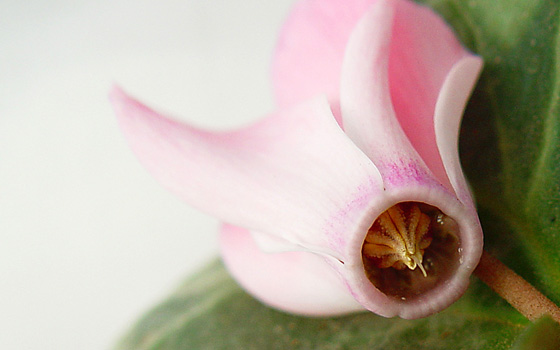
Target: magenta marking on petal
341,226
403,172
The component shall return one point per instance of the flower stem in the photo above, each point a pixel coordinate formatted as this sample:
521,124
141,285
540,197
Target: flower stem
515,290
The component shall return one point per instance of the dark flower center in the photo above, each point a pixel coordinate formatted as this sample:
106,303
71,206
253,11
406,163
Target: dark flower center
410,248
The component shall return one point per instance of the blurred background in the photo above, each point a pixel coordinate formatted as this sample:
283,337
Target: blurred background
88,240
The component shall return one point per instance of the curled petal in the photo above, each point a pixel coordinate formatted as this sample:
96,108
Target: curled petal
447,120
397,63
367,111
294,176
424,51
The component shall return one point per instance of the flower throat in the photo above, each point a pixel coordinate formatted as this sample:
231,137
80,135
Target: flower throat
409,248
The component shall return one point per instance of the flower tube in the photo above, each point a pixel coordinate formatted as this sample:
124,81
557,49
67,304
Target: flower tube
351,196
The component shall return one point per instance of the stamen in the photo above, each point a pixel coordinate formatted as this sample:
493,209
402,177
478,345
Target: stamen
398,238
407,237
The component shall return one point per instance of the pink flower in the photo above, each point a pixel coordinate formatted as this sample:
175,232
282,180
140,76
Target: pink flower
352,195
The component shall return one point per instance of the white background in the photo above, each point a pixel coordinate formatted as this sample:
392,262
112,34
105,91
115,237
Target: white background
88,240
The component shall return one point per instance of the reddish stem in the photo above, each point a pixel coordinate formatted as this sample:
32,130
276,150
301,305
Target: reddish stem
515,290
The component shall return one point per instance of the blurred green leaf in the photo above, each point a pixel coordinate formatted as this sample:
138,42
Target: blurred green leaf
544,334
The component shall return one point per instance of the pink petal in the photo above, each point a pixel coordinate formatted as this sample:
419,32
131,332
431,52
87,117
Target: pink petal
310,284
396,63
406,161
367,111
449,109
294,176
297,282
295,181
310,49
424,51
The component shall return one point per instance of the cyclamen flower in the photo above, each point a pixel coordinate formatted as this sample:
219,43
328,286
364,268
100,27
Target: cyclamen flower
350,197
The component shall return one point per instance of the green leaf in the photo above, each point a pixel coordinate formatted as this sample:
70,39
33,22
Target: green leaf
544,334
210,311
